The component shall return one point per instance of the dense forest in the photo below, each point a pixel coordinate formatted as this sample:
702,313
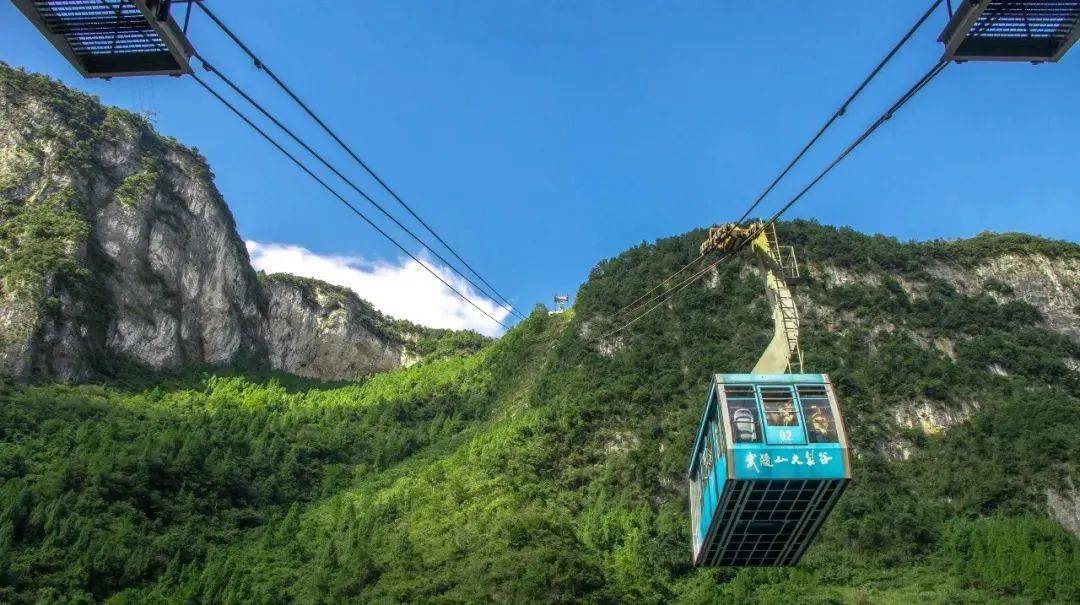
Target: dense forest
548,465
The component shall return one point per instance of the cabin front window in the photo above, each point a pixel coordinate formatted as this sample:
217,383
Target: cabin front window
818,412
743,414
779,406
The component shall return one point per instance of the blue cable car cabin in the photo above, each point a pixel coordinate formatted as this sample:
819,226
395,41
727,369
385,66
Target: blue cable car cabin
771,454
770,460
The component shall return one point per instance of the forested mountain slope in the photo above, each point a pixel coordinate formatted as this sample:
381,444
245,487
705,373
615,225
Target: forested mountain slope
549,466
546,466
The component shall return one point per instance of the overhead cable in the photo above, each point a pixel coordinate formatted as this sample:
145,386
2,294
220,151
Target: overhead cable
884,117
341,198
840,111
658,286
212,69
259,64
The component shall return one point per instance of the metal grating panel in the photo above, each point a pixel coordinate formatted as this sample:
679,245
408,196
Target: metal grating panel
771,522
1012,30
101,27
105,38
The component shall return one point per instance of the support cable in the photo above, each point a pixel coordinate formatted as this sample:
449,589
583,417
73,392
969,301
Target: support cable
259,64
670,293
884,117
187,18
903,100
657,287
340,198
258,106
840,111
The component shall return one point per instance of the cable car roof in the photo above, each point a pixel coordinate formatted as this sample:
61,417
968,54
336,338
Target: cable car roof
1011,30
109,38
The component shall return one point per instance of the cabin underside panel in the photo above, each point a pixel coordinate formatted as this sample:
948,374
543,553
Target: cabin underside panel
766,523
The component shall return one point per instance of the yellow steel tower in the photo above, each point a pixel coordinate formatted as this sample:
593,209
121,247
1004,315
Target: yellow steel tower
780,270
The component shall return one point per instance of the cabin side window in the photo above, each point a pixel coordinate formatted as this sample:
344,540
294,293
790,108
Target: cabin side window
779,406
743,414
705,464
818,413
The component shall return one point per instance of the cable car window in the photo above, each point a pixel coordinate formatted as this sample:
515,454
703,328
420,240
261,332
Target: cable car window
706,458
745,427
779,406
743,414
818,414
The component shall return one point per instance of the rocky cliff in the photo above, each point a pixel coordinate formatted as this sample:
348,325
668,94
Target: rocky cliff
319,330
115,245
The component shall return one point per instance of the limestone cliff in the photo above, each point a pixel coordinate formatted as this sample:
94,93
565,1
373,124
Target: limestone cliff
116,245
319,330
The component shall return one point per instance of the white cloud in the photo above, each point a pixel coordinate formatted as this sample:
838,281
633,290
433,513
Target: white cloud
404,289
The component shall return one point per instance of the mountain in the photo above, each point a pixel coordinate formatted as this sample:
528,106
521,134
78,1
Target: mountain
549,465
118,250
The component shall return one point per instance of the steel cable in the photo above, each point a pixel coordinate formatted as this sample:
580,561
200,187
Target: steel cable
341,198
884,117
259,64
209,67
840,111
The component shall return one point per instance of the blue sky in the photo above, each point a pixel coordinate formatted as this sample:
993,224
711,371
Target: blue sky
539,137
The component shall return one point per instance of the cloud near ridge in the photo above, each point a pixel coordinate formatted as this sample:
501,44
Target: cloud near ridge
402,289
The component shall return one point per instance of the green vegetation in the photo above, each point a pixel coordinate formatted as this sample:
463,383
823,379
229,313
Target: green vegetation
433,343
536,469
1030,556
543,467
104,489
39,239
138,186
850,249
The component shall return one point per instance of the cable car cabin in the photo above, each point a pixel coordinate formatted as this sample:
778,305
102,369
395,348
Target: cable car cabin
1011,30
109,38
770,460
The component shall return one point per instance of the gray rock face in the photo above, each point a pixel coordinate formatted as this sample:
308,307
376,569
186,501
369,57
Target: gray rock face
1051,285
182,288
323,331
115,244
1064,505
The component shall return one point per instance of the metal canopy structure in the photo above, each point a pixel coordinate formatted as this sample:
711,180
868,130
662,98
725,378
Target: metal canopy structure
110,38
1011,30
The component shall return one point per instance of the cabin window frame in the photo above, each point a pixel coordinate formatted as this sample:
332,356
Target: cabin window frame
706,460
739,397
782,434
791,401
826,404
